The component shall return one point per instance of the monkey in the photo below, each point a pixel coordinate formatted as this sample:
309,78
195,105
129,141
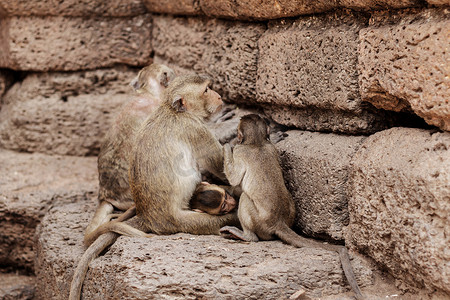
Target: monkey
212,199
114,191
171,149
266,208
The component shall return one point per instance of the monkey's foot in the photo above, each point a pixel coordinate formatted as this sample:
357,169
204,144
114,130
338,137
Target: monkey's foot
232,233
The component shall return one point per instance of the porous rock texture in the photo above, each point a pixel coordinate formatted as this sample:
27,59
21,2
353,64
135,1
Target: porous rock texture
182,266
267,9
227,51
307,74
75,8
16,287
400,204
68,44
63,113
29,185
316,168
404,60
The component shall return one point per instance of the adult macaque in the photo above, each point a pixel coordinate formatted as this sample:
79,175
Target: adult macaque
266,208
171,149
113,164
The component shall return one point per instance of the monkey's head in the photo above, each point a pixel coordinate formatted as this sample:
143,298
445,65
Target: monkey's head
192,94
253,129
212,199
153,79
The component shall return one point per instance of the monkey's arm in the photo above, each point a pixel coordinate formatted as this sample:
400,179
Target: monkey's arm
233,170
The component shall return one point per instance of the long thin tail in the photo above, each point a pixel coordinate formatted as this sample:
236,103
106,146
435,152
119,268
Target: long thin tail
92,252
289,236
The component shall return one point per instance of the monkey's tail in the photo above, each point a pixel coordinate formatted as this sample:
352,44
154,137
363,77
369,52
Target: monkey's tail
92,252
289,236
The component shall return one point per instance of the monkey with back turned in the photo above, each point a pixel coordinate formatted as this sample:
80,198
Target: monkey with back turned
114,191
171,149
266,208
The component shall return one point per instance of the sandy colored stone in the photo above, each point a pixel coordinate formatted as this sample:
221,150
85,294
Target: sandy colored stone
405,63
183,266
64,43
63,113
400,204
225,50
16,287
174,7
76,8
29,185
316,167
379,4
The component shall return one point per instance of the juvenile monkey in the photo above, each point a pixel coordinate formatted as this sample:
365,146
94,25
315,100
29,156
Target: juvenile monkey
113,163
171,148
266,208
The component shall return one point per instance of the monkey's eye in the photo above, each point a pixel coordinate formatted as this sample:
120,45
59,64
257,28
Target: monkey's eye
223,205
206,90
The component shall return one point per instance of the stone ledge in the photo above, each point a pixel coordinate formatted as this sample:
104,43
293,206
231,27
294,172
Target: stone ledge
182,266
16,287
29,185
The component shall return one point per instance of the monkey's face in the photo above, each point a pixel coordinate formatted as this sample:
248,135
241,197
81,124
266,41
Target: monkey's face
213,101
212,199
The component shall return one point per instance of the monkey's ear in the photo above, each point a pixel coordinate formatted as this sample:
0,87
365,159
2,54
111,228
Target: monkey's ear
164,79
135,83
179,104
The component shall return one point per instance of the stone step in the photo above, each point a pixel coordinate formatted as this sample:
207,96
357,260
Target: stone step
17,287
183,266
29,185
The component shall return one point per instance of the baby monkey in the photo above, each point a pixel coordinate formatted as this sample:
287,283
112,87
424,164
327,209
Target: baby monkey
212,199
266,208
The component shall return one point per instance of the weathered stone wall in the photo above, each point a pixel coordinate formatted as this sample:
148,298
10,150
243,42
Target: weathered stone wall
338,74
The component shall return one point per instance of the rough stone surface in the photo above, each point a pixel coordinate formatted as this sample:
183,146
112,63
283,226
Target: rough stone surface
225,50
63,113
29,185
314,84
266,10
316,168
64,43
174,7
183,266
405,63
84,8
16,287
439,2
400,204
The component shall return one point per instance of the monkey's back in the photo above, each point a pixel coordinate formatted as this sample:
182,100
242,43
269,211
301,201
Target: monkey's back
264,184
163,172
113,158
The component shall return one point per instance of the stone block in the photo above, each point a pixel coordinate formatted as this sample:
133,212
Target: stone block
307,71
265,9
75,8
225,50
183,266
68,44
379,4
404,61
16,287
29,185
63,113
174,7
400,204
316,167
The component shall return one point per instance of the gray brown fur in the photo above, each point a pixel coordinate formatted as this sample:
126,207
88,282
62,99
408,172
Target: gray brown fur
114,191
266,208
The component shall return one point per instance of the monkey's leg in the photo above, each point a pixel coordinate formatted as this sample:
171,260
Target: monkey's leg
231,232
192,222
121,205
101,216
